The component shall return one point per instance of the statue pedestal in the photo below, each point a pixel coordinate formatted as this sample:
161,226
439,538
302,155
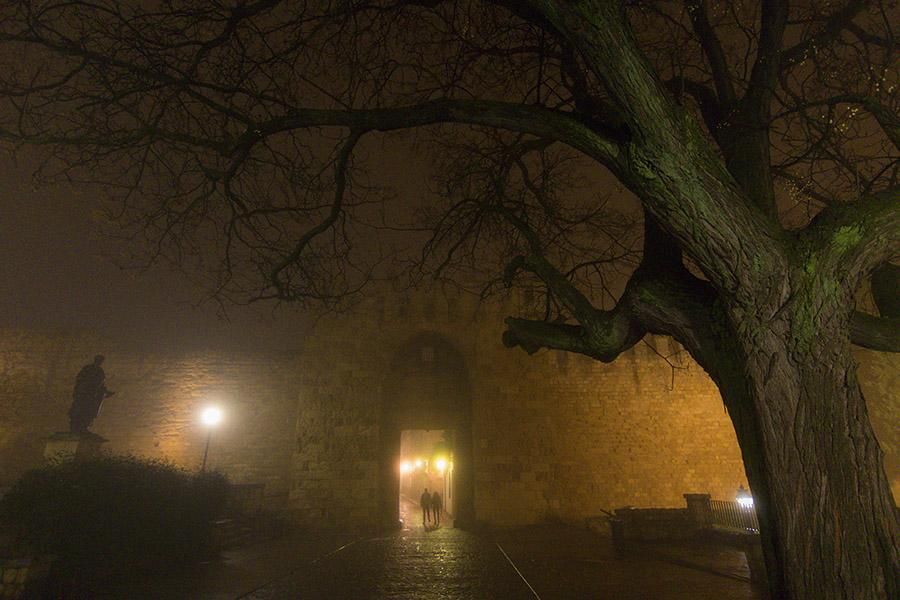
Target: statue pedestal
66,445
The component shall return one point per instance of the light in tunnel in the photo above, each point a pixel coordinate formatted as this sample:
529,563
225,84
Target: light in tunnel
405,467
441,464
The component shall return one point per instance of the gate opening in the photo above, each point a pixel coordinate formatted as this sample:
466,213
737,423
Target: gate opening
426,415
426,462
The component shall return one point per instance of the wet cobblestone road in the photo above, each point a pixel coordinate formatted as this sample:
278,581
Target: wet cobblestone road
447,564
413,563
452,564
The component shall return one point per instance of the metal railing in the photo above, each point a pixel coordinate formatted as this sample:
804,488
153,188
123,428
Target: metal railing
731,515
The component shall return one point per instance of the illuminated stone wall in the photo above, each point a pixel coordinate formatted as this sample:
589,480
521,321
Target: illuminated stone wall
879,373
155,410
554,435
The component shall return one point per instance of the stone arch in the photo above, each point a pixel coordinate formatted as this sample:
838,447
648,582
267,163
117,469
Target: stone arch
427,387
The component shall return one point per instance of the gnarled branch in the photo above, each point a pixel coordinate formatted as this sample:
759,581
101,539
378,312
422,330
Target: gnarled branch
535,120
853,239
875,333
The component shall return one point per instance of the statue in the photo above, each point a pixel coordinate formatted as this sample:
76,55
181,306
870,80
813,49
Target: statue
89,393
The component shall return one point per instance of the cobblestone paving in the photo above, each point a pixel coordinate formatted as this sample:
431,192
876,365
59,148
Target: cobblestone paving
443,563
447,565
557,562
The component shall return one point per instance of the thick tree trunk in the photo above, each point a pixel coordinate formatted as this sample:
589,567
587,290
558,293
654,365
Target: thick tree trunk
728,372
815,466
787,377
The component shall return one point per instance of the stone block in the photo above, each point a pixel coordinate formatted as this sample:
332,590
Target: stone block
65,445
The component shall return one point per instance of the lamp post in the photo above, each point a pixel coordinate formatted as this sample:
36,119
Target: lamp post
210,417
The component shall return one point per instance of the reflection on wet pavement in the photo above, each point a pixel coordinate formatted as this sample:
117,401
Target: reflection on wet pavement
557,561
412,563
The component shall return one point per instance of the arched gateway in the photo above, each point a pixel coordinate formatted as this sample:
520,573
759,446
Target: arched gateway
427,388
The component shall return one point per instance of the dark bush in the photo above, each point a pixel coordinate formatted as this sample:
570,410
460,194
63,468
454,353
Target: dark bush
115,516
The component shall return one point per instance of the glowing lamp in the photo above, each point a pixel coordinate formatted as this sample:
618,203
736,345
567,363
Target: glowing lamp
211,416
405,467
441,464
744,498
419,463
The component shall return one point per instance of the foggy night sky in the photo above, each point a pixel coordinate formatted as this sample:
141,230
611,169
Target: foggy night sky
54,275
57,272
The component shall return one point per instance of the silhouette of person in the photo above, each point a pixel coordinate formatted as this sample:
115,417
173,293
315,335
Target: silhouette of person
90,390
437,507
425,503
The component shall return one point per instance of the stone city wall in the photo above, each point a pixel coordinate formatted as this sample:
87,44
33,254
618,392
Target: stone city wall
155,411
556,436
879,374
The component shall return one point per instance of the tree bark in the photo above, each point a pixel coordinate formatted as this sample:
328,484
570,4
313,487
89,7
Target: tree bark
815,466
828,522
723,362
787,377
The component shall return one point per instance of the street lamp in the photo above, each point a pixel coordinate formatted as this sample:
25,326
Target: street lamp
744,497
210,417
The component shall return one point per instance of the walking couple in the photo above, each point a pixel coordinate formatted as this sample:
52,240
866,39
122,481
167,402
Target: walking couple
432,508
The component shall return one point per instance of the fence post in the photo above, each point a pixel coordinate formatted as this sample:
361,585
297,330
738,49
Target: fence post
699,510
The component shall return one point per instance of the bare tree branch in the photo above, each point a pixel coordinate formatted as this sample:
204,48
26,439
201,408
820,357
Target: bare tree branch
283,288
535,120
875,333
712,47
834,24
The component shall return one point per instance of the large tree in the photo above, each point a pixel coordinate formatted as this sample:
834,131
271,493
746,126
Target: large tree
760,139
